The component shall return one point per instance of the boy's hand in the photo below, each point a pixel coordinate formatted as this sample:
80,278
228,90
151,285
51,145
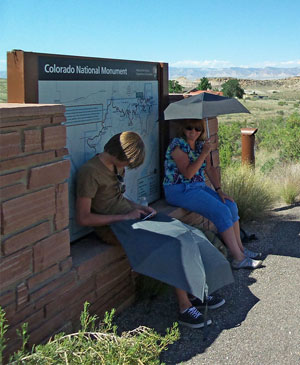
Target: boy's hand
135,214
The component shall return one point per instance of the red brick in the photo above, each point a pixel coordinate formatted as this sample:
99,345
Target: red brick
193,219
212,125
10,144
113,272
15,317
32,140
22,295
70,297
47,329
7,298
116,282
99,261
15,267
13,343
52,173
26,238
12,191
112,298
215,142
76,308
66,264
9,110
1,221
212,227
40,278
56,119
28,209
61,218
215,158
61,152
54,137
53,290
51,250
9,179
25,123
31,160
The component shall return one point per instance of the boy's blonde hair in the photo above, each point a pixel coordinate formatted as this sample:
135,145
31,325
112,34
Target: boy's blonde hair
127,146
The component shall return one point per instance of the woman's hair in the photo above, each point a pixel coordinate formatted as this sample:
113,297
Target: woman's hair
199,123
127,146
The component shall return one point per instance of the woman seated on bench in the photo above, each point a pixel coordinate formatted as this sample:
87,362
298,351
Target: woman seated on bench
100,202
187,158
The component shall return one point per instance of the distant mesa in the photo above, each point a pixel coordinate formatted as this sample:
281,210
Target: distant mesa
267,73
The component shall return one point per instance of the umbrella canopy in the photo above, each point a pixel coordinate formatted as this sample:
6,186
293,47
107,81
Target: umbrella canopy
175,253
202,106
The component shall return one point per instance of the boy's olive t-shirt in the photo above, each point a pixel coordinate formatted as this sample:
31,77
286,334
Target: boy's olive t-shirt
96,181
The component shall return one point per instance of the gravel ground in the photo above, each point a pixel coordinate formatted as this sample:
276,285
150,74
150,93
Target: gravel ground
260,322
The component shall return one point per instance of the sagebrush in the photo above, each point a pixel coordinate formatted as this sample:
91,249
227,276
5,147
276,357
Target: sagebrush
96,345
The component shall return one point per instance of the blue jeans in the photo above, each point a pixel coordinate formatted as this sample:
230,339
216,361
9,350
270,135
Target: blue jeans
198,197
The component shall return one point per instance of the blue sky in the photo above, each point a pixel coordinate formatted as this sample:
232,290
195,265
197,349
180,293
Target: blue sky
186,33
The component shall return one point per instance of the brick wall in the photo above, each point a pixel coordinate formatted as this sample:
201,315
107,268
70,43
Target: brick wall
43,280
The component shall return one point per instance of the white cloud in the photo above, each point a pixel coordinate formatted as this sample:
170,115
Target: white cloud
224,64
291,63
204,63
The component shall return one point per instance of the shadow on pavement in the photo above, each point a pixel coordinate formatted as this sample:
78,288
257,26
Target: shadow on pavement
161,313
279,235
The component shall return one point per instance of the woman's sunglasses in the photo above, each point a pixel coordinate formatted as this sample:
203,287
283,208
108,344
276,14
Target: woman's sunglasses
190,128
121,182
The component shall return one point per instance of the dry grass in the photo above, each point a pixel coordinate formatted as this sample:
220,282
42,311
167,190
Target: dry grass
3,91
250,189
287,178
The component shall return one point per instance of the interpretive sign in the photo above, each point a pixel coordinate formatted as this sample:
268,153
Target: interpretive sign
104,97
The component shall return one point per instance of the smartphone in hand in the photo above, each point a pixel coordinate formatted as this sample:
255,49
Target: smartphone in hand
152,214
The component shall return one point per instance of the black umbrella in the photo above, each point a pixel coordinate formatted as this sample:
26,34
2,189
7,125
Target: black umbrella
204,105
177,254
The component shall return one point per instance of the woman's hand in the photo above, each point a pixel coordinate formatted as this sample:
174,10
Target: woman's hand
207,147
224,196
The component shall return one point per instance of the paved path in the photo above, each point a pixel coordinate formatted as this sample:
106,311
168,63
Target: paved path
260,323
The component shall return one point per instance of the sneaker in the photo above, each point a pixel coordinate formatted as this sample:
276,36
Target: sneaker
212,301
252,254
193,318
247,263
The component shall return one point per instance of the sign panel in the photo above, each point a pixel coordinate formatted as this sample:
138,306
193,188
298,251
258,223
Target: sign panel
102,98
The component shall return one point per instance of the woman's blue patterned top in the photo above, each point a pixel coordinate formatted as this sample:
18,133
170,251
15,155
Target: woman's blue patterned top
172,174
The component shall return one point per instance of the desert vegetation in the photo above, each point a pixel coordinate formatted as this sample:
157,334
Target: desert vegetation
3,91
93,344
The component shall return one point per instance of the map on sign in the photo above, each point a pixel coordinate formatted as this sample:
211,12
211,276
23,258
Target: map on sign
97,110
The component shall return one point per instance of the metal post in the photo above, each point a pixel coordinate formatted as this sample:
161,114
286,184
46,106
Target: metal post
248,141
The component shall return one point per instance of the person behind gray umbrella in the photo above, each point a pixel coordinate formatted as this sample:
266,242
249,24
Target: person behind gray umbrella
187,160
102,205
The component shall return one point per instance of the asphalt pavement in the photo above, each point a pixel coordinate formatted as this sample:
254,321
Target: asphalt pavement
260,321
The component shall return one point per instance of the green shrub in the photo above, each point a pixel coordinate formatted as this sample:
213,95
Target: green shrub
282,103
268,166
229,142
287,177
102,345
281,135
296,105
289,193
251,191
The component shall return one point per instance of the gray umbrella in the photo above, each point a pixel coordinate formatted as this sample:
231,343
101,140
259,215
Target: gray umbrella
175,253
204,105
